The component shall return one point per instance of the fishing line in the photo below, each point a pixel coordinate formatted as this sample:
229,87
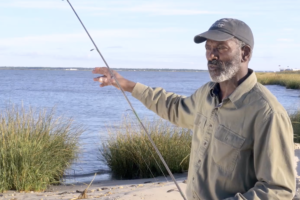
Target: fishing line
133,110
140,152
137,147
150,150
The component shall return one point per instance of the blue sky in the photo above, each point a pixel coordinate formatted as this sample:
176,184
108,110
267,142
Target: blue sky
141,34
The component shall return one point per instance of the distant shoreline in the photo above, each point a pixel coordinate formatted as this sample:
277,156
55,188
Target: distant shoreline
90,69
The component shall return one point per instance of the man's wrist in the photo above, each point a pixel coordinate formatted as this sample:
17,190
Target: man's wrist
129,86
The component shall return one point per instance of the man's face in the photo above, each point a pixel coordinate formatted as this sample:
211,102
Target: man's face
224,59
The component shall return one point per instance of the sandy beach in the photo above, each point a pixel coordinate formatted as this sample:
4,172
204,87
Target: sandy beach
138,189
147,189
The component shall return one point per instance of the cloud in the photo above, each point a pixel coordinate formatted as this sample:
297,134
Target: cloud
34,4
27,54
36,55
284,40
81,36
39,39
3,48
114,47
288,29
167,8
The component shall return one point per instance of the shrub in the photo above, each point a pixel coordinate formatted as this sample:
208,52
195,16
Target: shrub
35,148
129,154
295,118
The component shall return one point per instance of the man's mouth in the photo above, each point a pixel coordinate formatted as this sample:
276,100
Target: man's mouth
213,65
213,62
213,68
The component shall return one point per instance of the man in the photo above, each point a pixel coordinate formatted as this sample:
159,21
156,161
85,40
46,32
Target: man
242,145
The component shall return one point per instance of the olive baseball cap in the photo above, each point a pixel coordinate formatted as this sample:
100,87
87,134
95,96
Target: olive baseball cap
225,29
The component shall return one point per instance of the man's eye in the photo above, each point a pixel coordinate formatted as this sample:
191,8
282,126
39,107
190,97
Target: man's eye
207,48
221,48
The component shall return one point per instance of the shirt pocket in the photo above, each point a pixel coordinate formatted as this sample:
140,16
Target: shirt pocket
226,147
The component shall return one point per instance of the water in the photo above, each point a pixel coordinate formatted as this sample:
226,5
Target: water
76,95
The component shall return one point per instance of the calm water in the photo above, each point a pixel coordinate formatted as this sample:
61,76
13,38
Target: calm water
74,94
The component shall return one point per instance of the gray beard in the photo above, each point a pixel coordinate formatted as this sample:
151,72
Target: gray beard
227,70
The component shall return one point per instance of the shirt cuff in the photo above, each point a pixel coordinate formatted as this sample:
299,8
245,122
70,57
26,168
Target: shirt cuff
138,90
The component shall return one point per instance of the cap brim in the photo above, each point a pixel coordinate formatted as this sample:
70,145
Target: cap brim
215,35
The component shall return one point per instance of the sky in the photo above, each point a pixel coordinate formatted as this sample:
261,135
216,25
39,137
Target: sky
141,34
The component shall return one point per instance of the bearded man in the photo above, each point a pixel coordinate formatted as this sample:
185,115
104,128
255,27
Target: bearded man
242,146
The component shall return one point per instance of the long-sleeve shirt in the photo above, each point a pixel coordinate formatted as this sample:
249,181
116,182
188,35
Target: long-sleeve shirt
242,147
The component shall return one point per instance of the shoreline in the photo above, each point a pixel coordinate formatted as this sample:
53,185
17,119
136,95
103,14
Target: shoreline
90,69
136,189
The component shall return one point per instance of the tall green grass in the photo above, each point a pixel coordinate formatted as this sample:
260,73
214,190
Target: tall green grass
295,118
35,148
289,80
129,154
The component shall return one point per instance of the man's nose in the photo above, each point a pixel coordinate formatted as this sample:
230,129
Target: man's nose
213,55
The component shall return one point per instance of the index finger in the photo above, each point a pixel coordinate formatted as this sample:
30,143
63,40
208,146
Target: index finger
101,70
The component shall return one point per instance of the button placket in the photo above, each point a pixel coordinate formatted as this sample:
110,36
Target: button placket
207,138
203,147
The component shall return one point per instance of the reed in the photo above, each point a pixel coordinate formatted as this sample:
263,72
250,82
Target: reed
129,154
289,80
35,148
295,118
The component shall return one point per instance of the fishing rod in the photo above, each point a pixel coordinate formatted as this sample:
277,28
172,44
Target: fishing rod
133,110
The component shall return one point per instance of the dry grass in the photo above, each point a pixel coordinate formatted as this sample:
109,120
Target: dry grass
129,153
35,148
295,118
289,80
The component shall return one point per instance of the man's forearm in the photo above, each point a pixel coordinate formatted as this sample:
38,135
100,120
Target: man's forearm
175,108
128,86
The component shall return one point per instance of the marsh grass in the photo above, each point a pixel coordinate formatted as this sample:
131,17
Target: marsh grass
129,153
289,80
295,118
35,148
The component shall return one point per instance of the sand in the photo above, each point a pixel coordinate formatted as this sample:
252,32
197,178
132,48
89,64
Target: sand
140,189
146,189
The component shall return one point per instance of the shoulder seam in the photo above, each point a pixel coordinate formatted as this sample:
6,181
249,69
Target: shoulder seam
271,109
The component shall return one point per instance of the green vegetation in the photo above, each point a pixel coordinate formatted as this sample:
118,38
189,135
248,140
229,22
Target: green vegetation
290,80
35,148
295,118
129,154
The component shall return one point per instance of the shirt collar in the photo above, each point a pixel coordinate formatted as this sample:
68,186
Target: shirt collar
245,86
214,89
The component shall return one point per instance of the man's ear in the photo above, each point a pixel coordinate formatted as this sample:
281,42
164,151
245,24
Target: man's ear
246,53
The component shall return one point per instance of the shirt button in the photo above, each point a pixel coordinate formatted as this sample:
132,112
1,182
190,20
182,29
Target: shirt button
210,125
199,161
193,178
205,143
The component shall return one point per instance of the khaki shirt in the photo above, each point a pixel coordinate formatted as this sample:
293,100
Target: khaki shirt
242,148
